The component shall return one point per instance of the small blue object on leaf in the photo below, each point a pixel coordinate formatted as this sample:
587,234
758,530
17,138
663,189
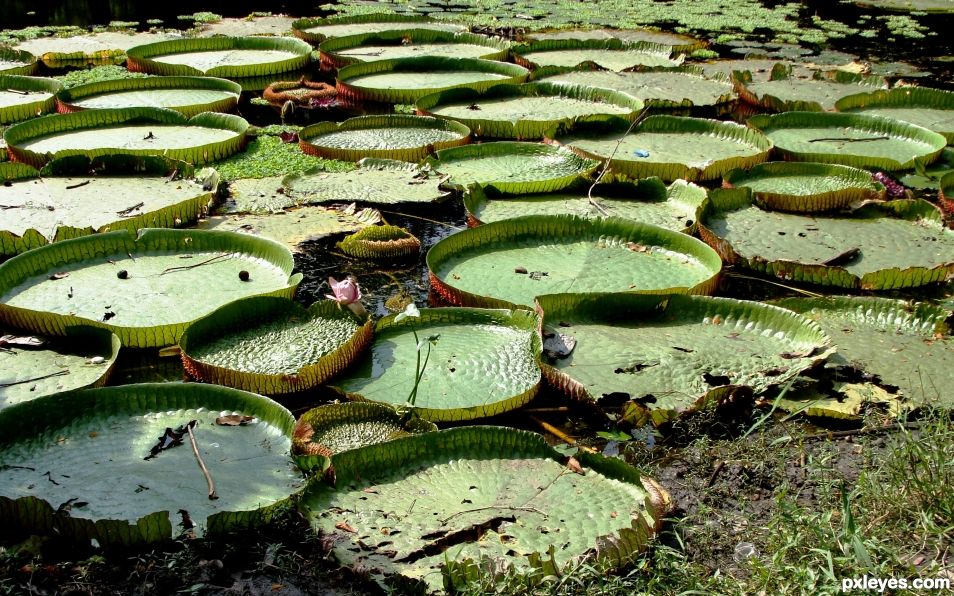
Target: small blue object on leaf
641,153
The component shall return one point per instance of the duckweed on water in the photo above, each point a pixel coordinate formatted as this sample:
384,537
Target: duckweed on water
268,155
96,74
201,17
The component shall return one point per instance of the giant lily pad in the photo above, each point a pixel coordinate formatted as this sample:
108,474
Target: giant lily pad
187,95
81,464
513,167
881,246
22,98
376,181
146,289
17,62
931,108
906,347
394,136
131,131
784,92
335,428
288,347
677,207
105,47
482,362
678,43
610,54
294,226
681,87
857,140
409,43
439,507
673,354
510,262
530,111
226,57
408,79
32,367
316,30
673,147
806,186
39,210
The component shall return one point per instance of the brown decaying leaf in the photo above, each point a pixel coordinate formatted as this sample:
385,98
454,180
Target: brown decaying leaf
346,527
234,420
574,466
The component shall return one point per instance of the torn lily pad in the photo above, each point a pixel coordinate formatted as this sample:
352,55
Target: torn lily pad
293,227
891,351
436,508
785,92
673,354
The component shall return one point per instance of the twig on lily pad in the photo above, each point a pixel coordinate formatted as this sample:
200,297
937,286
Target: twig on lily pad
198,458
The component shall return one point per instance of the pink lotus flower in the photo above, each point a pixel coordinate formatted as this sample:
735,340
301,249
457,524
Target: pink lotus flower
347,293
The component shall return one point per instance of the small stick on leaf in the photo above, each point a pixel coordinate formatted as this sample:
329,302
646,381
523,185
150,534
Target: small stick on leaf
589,193
58,373
198,458
78,184
208,261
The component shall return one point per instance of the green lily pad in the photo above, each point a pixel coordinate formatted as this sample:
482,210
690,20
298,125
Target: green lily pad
880,246
482,363
805,186
383,242
335,428
531,111
931,108
409,43
225,57
928,177
82,468
172,278
288,348
510,262
929,6
682,87
612,54
393,136
105,47
678,43
513,167
673,147
131,131
857,140
275,25
17,62
292,227
22,98
39,210
906,346
785,92
508,484
376,181
84,358
258,196
315,30
676,208
408,79
676,354
187,95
